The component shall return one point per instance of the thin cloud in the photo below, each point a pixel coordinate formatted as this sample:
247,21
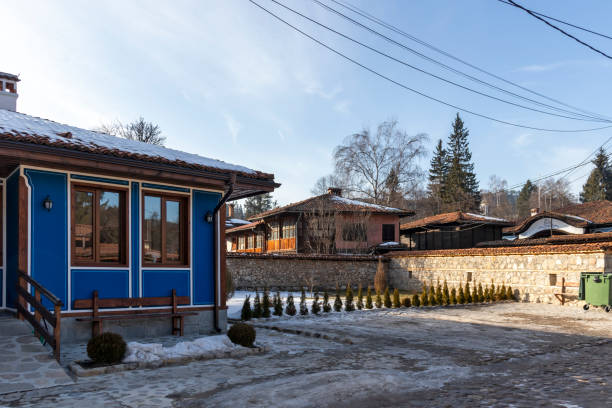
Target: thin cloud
233,126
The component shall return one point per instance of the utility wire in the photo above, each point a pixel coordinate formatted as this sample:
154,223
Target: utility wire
434,61
587,159
563,22
416,91
531,13
362,13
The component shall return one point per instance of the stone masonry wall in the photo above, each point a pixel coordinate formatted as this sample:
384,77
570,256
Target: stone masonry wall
292,272
534,277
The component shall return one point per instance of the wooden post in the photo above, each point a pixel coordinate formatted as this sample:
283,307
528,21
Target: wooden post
37,298
562,291
56,331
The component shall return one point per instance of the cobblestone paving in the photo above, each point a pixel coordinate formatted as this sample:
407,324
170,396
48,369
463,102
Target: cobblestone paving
25,364
520,355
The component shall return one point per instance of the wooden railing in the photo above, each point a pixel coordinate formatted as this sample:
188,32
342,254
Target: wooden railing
25,298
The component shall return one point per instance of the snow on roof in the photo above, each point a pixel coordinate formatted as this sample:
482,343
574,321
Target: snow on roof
237,221
486,217
348,201
23,127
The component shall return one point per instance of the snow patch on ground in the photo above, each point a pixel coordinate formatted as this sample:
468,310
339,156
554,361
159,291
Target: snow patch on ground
141,352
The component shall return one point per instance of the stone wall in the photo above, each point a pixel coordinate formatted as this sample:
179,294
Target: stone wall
292,272
535,273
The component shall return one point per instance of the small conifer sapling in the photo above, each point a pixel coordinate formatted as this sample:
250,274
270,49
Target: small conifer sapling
326,306
315,309
416,302
424,296
303,306
388,302
368,303
468,293
290,308
359,298
246,312
439,294
349,306
453,296
379,302
257,309
337,301
432,296
445,294
510,293
396,299
278,305
265,304
461,295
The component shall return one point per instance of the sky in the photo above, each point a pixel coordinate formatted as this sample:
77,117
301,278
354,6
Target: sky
226,80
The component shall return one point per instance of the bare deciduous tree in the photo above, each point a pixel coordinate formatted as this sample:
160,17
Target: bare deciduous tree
139,130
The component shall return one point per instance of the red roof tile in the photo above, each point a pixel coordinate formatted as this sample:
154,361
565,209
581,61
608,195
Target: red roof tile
458,217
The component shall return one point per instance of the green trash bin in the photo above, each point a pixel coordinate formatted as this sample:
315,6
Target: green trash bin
596,289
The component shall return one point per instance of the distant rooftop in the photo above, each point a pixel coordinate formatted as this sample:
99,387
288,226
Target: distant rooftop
456,217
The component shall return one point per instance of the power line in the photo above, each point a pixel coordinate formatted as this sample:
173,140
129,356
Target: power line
362,13
589,156
434,61
531,13
564,22
414,90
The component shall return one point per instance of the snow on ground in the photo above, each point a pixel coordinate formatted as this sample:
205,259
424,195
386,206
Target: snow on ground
141,352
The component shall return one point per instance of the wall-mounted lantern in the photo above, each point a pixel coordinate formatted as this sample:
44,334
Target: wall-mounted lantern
208,217
47,203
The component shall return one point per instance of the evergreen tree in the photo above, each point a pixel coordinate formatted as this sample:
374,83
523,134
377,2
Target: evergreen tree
315,309
258,204
424,296
502,292
303,306
461,187
439,294
416,302
453,296
388,302
246,312
432,296
493,292
487,294
278,305
326,305
481,297
257,309
599,184
396,298
379,302
359,298
338,301
522,202
468,294
438,172
406,302
290,308
349,306
510,293
369,304
446,294
265,304
461,295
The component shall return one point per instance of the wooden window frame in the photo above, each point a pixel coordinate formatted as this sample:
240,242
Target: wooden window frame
123,210
184,221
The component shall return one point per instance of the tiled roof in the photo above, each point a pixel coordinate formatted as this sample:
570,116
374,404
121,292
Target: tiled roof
333,202
458,217
244,227
19,127
6,75
554,240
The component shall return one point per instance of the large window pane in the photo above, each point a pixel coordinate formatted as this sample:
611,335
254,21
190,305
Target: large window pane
152,234
110,227
173,232
83,225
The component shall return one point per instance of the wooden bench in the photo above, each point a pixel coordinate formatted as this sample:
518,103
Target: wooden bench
97,316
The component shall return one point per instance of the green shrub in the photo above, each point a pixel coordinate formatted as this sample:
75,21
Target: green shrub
349,306
453,296
326,305
439,294
278,305
468,293
432,296
369,304
246,313
242,334
510,293
379,302
315,309
265,304
416,302
388,302
303,306
290,308
406,302
481,297
359,298
106,348
445,294
487,294
396,298
461,295
257,309
424,296
338,301
493,292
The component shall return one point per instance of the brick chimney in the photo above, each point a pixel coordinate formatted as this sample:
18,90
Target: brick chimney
230,211
8,91
534,211
334,191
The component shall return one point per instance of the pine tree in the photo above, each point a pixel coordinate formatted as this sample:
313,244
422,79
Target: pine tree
326,306
487,294
439,295
599,184
406,301
510,293
416,302
438,172
257,309
396,298
303,306
481,297
246,312
258,204
522,202
359,298
493,292
315,309
468,294
278,305
424,296
432,296
446,294
338,301
388,302
265,304
453,296
369,304
379,302
461,295
290,308
461,187
502,292
349,306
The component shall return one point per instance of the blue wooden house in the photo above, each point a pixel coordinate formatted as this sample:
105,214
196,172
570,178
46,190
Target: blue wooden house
104,229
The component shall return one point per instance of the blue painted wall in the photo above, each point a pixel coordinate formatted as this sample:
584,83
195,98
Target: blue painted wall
49,232
156,282
12,235
108,283
203,247
135,237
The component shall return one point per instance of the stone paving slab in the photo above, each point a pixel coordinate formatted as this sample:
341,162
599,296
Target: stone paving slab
25,364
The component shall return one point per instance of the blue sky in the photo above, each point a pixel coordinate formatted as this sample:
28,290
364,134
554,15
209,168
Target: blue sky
225,80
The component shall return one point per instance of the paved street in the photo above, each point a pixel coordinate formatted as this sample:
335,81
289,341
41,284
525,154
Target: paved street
523,355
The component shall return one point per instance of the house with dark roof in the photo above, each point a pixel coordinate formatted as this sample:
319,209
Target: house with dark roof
113,227
587,218
325,224
452,230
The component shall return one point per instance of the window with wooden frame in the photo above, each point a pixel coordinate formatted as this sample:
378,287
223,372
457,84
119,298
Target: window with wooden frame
288,230
251,242
259,241
99,226
241,243
165,238
274,232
